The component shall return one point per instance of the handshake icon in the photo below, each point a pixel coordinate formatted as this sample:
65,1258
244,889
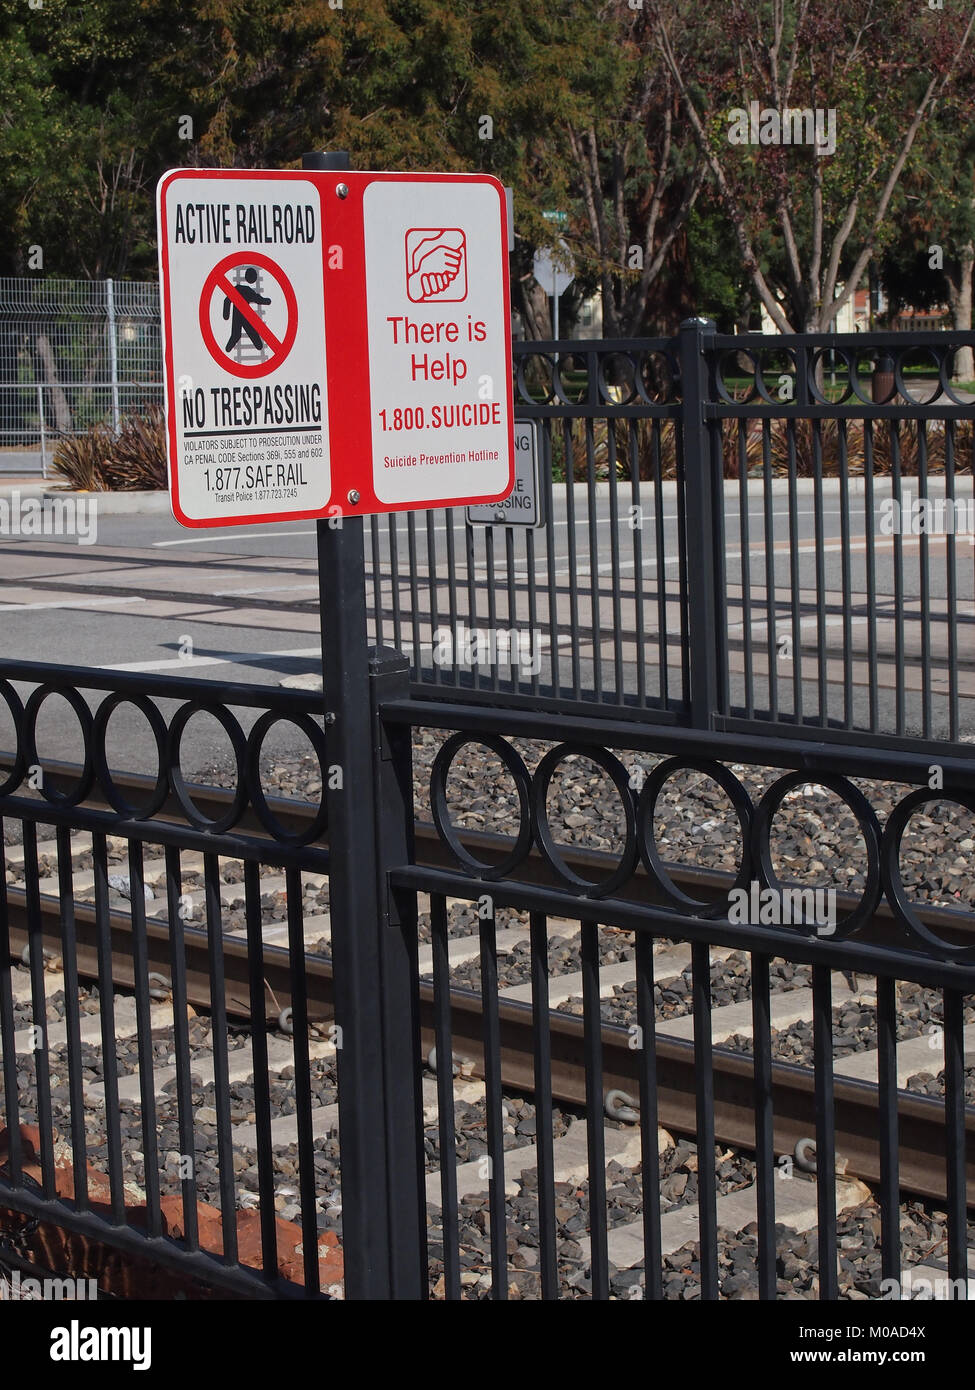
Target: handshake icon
436,265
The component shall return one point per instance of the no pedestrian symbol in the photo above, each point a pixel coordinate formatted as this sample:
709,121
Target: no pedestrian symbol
248,314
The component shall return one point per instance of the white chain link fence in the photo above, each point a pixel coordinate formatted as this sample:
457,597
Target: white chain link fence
72,353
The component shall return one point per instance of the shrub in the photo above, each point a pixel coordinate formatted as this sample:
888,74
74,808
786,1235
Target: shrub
101,460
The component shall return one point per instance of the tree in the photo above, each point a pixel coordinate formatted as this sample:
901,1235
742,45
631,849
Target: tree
753,77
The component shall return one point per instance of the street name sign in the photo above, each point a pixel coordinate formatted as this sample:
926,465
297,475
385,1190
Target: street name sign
336,343
523,505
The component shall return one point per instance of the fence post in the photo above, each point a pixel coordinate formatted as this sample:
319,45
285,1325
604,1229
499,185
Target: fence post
702,492
113,351
40,421
399,980
381,1245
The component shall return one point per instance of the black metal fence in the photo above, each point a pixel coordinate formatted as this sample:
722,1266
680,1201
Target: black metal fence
739,529
214,1062
354,1018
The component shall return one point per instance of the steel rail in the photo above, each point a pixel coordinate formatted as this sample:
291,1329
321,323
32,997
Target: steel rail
921,1118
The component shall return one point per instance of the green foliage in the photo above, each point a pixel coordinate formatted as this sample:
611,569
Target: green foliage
102,460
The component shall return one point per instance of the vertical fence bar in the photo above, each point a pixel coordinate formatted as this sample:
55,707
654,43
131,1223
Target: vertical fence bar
218,1033
592,519
707,1191
302,1061
432,581
11,1098
445,1097
820,570
924,581
39,1046
890,1236
825,1133
414,593
595,1133
389,676
572,565
143,1012
614,551
551,580
72,1017
955,1141
649,1150
544,1148
699,503
846,579
768,526
795,591
488,941
492,599
870,565
951,585
764,1125
898,539
533,626
184,1085
449,517
42,426
744,545
113,351
262,1080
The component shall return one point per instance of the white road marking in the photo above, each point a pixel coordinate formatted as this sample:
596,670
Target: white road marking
461,526
72,603
190,662
263,589
249,536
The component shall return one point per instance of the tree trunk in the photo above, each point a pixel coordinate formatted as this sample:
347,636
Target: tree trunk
62,411
961,308
536,310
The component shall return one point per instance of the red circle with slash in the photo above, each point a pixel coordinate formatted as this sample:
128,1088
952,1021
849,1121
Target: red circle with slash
218,280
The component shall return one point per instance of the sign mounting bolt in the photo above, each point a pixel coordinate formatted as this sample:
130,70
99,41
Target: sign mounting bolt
342,189
353,496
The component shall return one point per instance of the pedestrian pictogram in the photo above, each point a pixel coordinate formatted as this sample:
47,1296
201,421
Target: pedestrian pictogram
250,299
436,265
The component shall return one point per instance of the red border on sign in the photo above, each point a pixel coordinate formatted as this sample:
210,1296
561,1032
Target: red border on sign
280,349
349,407
351,427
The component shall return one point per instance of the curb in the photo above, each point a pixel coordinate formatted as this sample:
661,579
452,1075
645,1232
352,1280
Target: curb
104,503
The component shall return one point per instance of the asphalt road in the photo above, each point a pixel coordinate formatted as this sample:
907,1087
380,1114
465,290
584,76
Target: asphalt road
240,604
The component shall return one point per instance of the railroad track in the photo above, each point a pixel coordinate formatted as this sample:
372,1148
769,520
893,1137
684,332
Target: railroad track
921,1116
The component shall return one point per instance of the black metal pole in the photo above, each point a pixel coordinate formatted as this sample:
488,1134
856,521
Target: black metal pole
371,992
702,493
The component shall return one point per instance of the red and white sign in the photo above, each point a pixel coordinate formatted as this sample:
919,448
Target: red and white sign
335,343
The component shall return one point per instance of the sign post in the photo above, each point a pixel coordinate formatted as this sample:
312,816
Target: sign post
555,272
338,344
372,967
